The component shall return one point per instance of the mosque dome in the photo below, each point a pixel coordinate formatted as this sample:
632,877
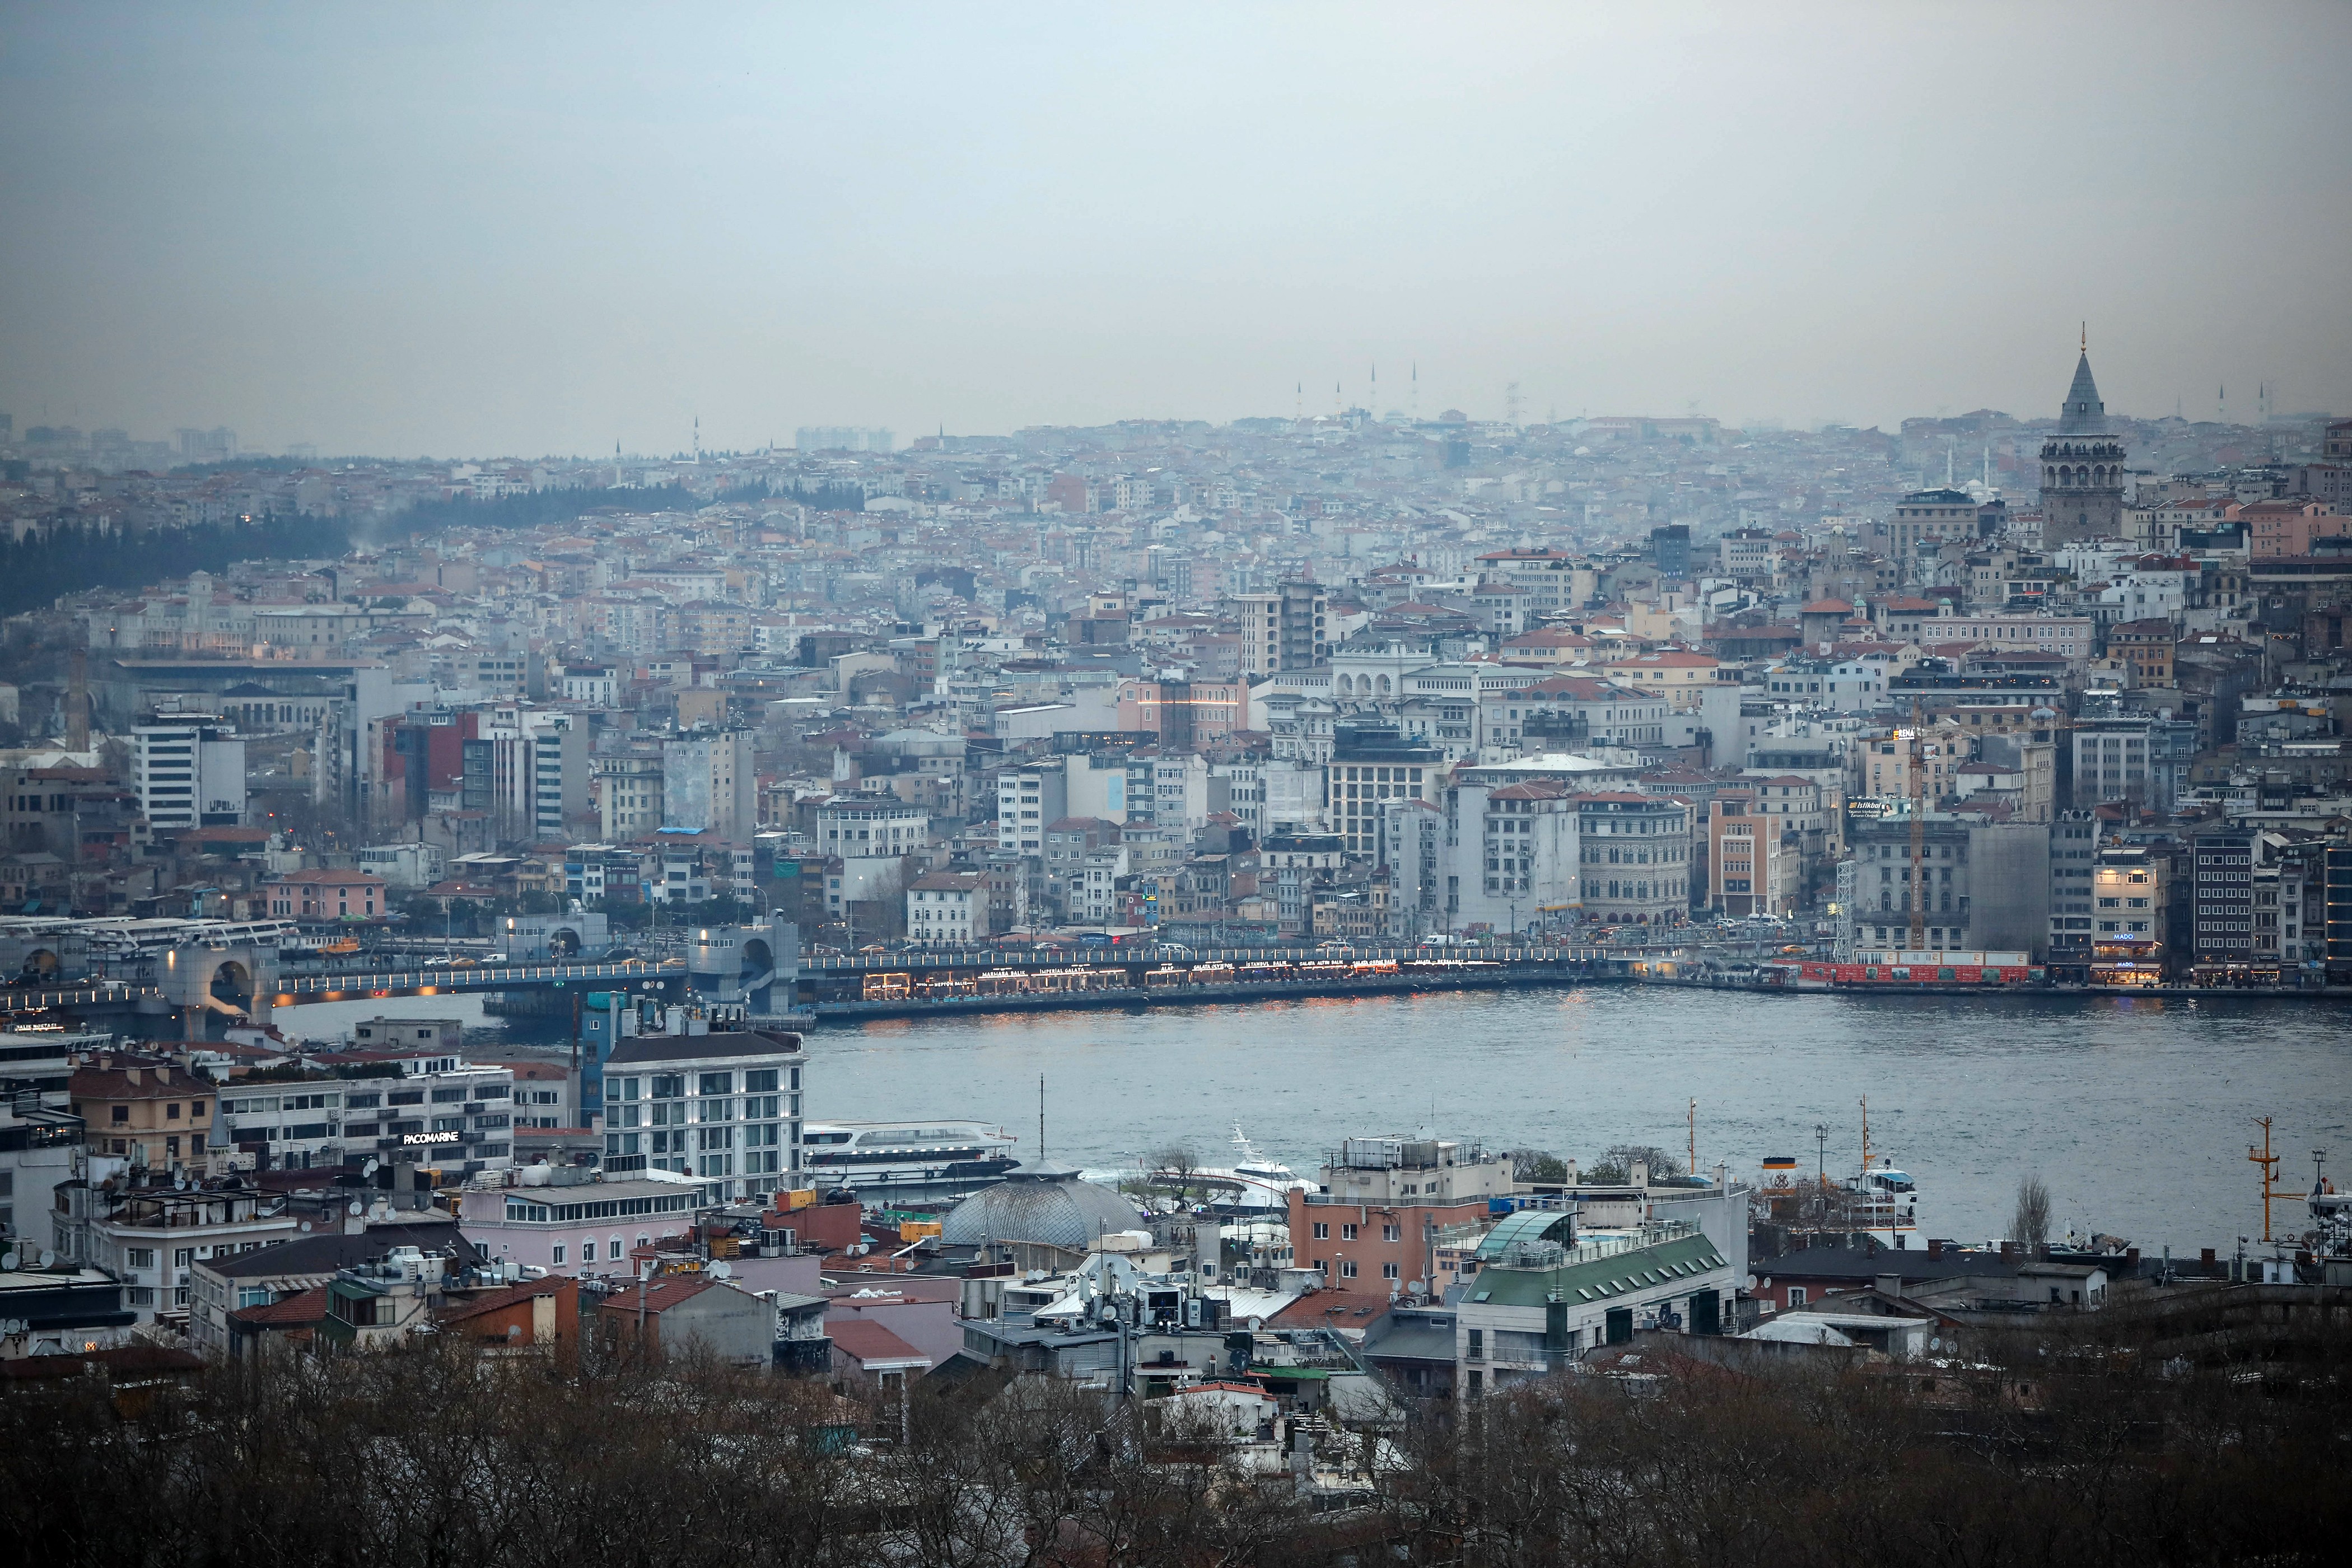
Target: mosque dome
1043,1203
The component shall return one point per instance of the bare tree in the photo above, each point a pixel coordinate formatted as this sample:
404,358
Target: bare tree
1178,1164
1537,1165
1616,1163
2029,1226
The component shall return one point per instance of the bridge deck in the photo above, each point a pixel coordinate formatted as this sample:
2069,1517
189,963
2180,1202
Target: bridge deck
297,989
1104,957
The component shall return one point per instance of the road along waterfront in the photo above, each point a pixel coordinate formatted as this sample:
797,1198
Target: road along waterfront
2137,1110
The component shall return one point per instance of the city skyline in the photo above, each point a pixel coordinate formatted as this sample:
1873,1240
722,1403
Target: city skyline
376,234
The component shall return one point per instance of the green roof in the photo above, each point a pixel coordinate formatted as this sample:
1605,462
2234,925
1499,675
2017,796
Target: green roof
1599,1279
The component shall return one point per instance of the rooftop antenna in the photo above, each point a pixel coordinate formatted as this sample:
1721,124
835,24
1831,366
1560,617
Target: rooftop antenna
1298,402
1041,1117
1692,1166
1413,406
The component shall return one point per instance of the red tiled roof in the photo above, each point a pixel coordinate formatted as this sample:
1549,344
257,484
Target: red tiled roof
499,1300
660,1295
290,1312
870,1342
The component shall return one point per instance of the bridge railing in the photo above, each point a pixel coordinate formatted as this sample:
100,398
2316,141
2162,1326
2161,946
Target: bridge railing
1050,958
14,1001
476,977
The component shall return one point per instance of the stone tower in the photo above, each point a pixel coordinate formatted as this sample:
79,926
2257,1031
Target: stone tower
2082,468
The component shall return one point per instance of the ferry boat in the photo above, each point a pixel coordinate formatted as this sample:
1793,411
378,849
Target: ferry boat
1896,970
908,1159
1878,1200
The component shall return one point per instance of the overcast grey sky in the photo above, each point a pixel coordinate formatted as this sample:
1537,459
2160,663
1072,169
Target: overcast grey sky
508,229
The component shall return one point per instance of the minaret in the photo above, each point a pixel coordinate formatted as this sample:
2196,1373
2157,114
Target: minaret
2082,464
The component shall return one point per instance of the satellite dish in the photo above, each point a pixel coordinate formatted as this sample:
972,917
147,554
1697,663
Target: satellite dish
369,1169
47,1258
723,1270
305,1227
1935,1344
8,1258
358,1207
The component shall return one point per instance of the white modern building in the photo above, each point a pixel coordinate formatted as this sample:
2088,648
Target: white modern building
723,1107
188,771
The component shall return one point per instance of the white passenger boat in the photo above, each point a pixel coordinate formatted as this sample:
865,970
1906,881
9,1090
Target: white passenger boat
910,1157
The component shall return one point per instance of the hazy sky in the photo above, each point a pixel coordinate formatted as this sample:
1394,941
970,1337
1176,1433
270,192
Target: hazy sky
507,229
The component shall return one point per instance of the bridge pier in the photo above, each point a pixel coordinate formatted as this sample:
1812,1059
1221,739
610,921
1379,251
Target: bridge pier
235,982
741,963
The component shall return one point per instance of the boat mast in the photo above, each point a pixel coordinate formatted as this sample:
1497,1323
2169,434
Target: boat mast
2269,1163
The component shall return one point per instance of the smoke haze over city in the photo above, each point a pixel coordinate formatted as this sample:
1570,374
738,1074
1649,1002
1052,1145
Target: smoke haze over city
552,229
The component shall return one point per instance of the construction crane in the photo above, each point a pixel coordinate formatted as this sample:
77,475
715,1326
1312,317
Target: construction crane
1918,832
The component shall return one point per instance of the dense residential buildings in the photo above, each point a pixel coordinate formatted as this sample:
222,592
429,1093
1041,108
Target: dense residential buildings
1600,673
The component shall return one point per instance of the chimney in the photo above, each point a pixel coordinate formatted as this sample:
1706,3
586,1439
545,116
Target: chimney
2008,1248
77,702
131,1073
1935,1246
1890,1285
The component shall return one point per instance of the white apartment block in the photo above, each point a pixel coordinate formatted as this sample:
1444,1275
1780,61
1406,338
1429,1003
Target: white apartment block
188,772
724,1107
1027,799
948,908
1511,857
862,828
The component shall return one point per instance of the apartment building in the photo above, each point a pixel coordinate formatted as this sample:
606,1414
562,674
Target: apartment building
153,1237
1511,856
1373,1223
1285,629
1755,859
439,1111
723,1107
155,1116
2222,888
948,909
188,771
708,784
1635,855
1370,765
628,794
